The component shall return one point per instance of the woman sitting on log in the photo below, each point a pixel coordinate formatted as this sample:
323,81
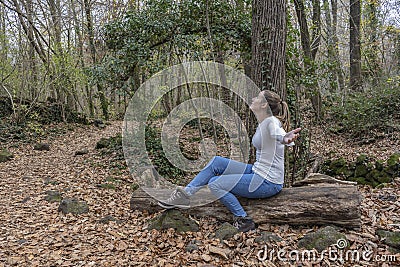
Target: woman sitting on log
227,178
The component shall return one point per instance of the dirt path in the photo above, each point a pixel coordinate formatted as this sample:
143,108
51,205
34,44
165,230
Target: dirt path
34,233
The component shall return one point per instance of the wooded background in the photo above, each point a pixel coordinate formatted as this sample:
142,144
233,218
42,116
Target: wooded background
93,55
342,58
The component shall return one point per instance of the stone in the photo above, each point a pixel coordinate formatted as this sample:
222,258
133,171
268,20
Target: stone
267,237
74,206
193,245
108,219
5,155
322,239
226,231
360,171
106,186
81,152
53,196
102,143
393,165
390,238
173,219
41,147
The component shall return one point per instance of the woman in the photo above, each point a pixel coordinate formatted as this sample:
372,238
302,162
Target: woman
228,178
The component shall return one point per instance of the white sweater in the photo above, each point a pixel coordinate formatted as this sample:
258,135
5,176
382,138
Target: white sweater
270,160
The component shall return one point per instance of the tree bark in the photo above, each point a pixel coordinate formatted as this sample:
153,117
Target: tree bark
355,46
269,45
89,26
306,205
339,70
310,46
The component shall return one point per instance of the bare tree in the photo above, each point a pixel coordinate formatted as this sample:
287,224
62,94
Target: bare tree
310,45
355,45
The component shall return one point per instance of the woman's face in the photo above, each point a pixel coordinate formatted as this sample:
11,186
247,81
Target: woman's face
258,102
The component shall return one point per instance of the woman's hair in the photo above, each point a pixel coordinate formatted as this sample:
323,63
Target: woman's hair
279,108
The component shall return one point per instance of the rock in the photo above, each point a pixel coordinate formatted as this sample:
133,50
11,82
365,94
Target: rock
360,171
379,165
48,181
106,186
193,245
99,123
226,231
322,239
108,219
22,241
389,238
267,237
41,147
5,155
173,219
112,142
393,165
73,206
53,196
25,200
81,152
102,143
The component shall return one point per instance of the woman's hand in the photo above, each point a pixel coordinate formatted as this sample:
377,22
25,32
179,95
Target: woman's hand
291,136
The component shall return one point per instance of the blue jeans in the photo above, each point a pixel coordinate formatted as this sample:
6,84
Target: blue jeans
228,178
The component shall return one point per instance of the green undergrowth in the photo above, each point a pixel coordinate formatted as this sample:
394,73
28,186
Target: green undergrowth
365,169
366,115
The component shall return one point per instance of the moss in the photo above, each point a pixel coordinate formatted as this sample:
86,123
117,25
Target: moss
360,180
394,160
102,143
384,178
393,165
53,196
134,187
379,165
267,237
347,172
363,158
5,155
73,206
338,163
321,239
107,186
173,219
360,171
226,231
390,238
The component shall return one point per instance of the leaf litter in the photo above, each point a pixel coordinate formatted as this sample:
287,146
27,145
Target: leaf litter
34,233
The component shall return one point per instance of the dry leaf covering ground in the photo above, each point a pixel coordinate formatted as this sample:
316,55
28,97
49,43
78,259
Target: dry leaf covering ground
34,233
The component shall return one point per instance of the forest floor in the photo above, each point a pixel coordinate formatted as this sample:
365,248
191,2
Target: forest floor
34,233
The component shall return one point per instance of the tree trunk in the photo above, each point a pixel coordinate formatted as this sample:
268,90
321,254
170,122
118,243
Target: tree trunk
269,45
89,25
371,37
355,49
306,205
335,44
310,46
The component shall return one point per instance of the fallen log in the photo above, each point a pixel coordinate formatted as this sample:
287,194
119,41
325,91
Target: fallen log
318,178
321,204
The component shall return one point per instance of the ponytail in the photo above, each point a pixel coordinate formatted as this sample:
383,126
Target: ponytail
279,108
284,117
